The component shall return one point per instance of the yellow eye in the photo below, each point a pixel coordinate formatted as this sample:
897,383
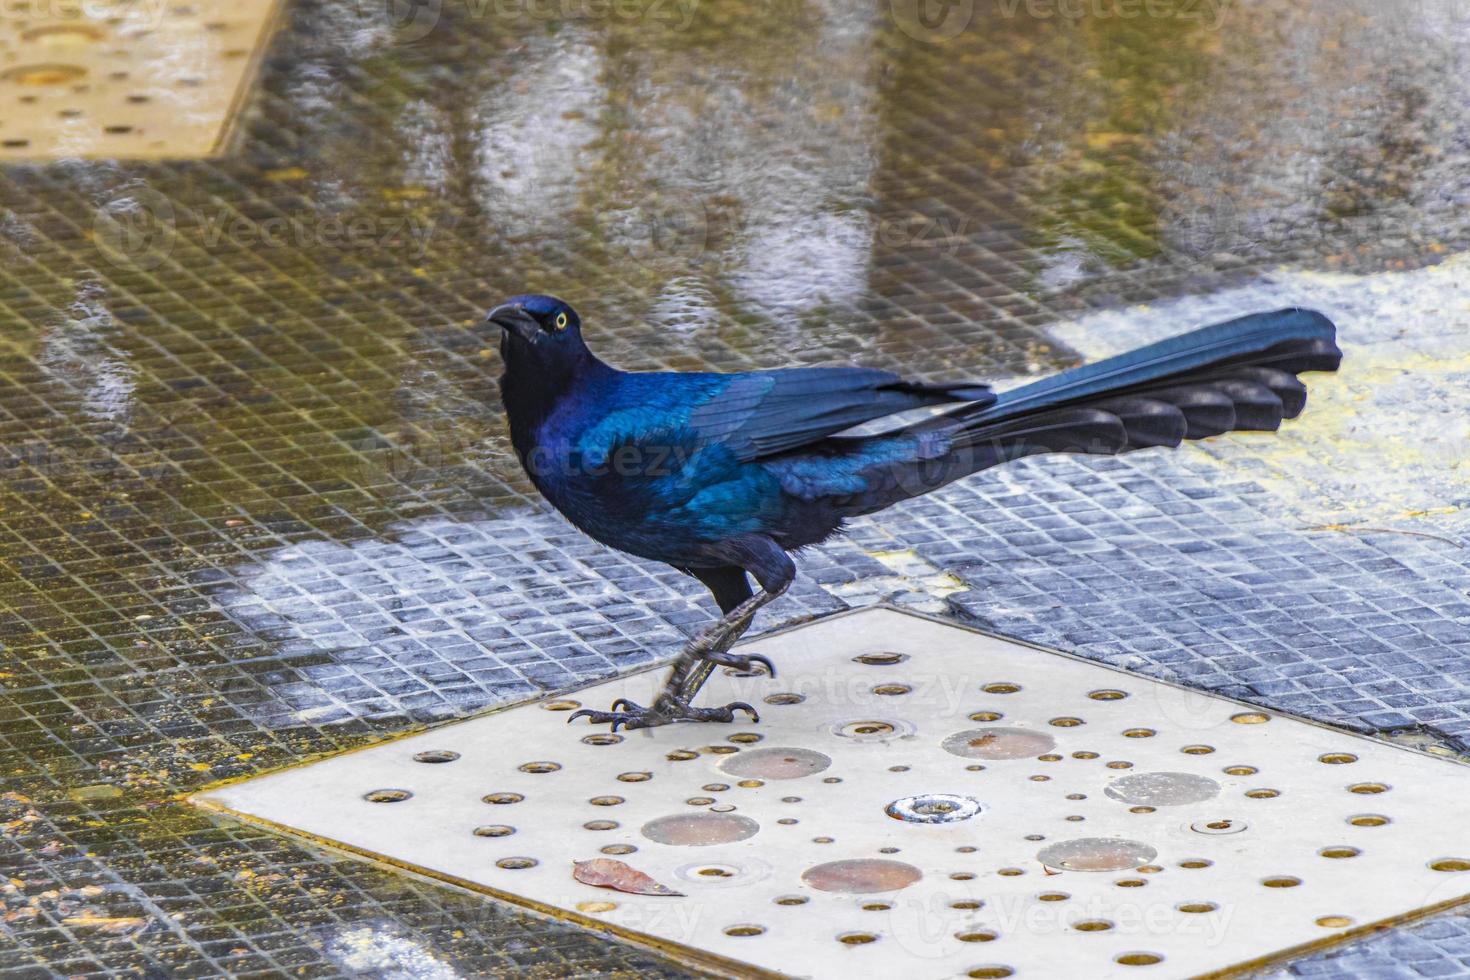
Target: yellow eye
561,321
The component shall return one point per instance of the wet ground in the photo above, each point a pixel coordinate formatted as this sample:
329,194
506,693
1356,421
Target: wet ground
256,502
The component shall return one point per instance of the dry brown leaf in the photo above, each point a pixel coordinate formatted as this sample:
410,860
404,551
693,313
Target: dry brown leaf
607,873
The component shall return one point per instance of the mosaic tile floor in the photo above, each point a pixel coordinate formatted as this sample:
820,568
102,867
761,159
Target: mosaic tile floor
255,498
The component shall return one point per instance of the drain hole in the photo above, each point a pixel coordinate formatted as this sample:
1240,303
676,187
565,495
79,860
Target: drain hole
998,743
857,938
784,697
516,863
892,689
1369,789
563,704
540,767
990,972
605,800
986,716
1053,897
1197,749
1250,718
634,777
1002,687
1066,722
1195,863
792,900
1337,758
1139,733
966,904
1240,770
387,796
436,756
1107,694
1335,921
1092,925
1138,959
1368,820
885,659
601,825
744,930
1339,852
876,906
502,798
618,849
934,808
866,729
1281,881
1450,864
1263,794
745,738
977,936
1222,826
601,738
494,830
1198,908
678,755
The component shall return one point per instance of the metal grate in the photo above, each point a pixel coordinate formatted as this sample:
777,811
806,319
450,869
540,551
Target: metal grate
919,797
135,79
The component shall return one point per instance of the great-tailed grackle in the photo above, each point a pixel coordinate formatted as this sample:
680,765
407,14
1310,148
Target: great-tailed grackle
721,475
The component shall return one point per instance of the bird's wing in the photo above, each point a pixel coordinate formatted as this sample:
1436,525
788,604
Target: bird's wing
763,413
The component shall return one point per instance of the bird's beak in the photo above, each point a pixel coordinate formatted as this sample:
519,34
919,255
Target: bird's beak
513,318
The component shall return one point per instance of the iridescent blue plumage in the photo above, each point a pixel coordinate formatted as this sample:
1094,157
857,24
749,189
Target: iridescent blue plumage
724,474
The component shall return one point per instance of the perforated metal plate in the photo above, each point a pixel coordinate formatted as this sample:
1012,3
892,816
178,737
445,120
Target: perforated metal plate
125,78
919,799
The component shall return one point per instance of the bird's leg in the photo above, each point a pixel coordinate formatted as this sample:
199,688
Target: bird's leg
699,657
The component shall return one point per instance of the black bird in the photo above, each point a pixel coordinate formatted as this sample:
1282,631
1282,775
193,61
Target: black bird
723,475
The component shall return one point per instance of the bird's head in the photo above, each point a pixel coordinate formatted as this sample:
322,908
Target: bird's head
539,336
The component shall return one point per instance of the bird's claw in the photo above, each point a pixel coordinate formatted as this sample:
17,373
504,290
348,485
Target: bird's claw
741,662
632,716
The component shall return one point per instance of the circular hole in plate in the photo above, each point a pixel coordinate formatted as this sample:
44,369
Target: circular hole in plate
891,690
1337,758
1197,749
540,766
1250,718
746,738
1450,864
1066,722
962,876
750,783
1130,883
435,756
699,801
1339,852
606,800
784,697
1096,854
1138,959
998,743
934,808
977,936
1197,908
886,658
601,825
990,972
857,938
1195,863
618,849
387,795
776,762
560,704
876,906
699,829
1053,897
1139,733
602,738
1368,820
1010,872
1107,694
1368,789
501,799
744,929
966,904
679,755
1240,770
634,777
1263,793
986,716
1162,788
494,830
715,787
1092,925
516,863
861,876
1219,826
791,900
1334,921
43,74
872,729
1281,881
1001,687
